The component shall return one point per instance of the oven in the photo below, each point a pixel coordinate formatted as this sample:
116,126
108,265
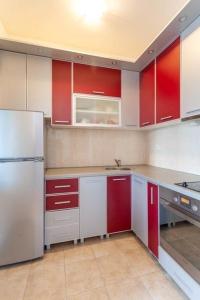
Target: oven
180,230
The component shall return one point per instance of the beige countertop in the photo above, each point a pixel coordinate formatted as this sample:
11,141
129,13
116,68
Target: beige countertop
159,176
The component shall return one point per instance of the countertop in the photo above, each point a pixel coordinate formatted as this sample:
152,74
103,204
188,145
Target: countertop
160,176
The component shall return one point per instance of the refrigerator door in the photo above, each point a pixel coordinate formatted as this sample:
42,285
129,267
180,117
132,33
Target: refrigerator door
21,134
21,211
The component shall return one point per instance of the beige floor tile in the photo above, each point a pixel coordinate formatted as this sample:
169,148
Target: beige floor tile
13,281
78,253
105,248
128,244
46,281
161,287
128,292
114,268
82,276
95,294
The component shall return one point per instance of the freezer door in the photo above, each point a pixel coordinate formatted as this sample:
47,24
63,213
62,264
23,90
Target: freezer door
21,134
21,211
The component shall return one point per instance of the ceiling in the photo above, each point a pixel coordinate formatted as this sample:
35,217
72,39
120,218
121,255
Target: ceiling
125,30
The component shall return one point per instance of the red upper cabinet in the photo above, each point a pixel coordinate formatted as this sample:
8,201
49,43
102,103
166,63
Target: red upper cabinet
168,83
153,218
97,80
61,92
118,203
147,95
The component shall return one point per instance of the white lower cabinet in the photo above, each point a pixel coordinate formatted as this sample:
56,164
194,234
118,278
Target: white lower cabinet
93,206
139,208
61,226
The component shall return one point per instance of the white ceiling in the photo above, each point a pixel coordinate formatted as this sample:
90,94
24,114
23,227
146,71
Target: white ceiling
125,31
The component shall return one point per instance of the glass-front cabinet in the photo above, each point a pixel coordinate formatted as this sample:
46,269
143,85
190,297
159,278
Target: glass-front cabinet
95,110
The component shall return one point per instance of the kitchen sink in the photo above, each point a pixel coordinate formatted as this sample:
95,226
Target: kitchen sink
118,168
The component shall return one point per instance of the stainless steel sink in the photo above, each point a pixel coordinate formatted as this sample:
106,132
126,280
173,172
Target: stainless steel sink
118,168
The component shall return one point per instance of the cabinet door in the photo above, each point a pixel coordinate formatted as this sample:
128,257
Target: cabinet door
130,98
97,80
190,65
118,203
153,218
39,84
92,206
61,92
168,83
140,208
12,80
147,95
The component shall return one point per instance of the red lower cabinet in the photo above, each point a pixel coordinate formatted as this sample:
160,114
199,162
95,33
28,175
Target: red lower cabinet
153,218
119,203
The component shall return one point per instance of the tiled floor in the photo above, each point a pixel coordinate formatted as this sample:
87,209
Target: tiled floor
117,268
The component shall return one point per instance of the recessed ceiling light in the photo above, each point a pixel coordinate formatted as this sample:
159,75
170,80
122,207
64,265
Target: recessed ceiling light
150,51
79,57
182,19
91,11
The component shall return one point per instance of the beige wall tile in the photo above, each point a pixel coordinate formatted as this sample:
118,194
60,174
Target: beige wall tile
175,147
94,147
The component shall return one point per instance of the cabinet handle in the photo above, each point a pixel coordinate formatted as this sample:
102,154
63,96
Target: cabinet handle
67,122
62,186
166,118
151,200
62,202
119,179
98,92
146,123
192,111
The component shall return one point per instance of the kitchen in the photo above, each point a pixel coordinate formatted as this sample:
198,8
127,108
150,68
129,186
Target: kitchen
99,150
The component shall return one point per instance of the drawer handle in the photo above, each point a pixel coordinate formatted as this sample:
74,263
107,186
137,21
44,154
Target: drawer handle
67,122
119,179
146,123
192,111
62,186
62,202
98,92
166,118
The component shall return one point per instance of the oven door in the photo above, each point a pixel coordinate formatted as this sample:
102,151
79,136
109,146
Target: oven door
180,237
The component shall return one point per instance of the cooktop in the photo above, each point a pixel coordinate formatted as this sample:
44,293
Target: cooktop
194,186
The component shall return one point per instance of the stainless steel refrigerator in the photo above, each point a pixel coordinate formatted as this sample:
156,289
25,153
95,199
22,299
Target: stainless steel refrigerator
21,186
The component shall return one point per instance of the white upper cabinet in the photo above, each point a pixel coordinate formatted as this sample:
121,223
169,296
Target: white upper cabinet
39,84
12,80
190,66
130,98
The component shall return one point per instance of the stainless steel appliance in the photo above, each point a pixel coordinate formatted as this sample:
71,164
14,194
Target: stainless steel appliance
21,186
194,186
180,230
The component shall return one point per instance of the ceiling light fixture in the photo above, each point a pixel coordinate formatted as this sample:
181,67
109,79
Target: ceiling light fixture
79,57
182,19
90,10
151,51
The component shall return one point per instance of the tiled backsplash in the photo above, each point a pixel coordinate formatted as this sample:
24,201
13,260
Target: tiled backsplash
175,147
94,147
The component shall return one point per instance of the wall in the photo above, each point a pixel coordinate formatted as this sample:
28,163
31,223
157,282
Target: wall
94,147
176,147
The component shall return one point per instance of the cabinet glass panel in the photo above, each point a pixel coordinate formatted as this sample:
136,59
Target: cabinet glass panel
97,111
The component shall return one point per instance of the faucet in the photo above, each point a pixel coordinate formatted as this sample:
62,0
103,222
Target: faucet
118,162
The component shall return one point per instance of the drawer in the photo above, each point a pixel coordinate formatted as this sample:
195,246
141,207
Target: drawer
61,186
61,234
61,202
61,217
